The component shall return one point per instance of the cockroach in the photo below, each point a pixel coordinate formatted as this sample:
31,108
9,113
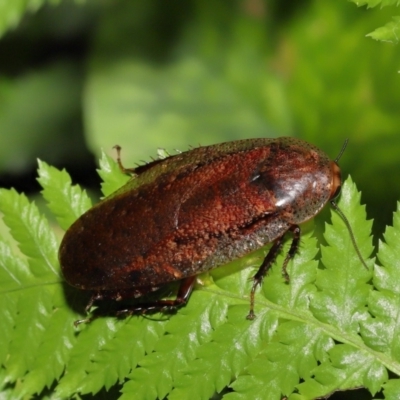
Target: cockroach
194,211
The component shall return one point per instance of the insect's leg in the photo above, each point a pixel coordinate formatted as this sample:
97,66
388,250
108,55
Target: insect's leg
184,292
268,261
295,229
96,296
265,266
124,170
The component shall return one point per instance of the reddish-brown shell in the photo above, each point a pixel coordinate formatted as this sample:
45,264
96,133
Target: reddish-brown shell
195,211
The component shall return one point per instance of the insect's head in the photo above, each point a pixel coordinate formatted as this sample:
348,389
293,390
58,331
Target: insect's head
335,191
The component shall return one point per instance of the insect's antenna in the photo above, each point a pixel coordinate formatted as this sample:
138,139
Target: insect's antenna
346,221
342,150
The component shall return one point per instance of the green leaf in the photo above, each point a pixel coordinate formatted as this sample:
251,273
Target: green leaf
203,91
328,329
348,368
11,11
13,273
182,99
66,202
343,287
186,332
374,3
293,353
33,310
56,340
104,355
381,329
112,176
31,231
215,363
89,344
104,371
14,270
388,33
392,389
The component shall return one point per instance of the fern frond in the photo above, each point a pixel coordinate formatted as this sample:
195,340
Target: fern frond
65,201
30,282
390,32
334,326
111,175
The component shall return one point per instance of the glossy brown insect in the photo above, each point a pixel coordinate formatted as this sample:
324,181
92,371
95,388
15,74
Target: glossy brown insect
195,211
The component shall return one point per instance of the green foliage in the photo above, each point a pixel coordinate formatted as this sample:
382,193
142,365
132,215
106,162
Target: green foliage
201,93
111,179
335,326
61,195
375,3
12,11
389,32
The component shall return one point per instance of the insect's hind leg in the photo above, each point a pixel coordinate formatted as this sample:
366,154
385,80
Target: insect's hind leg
295,229
268,261
184,292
